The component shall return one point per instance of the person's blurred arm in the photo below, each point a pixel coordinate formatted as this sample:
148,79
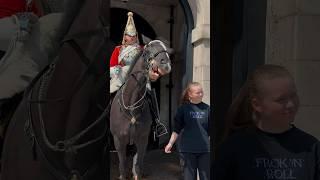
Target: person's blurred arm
178,126
114,66
114,57
173,139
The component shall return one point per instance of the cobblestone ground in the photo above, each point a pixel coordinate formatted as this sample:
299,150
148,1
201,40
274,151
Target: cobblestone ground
158,166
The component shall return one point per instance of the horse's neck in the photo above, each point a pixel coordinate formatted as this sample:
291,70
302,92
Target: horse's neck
135,86
139,66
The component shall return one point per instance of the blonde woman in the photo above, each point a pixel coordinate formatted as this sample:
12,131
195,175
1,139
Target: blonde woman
192,128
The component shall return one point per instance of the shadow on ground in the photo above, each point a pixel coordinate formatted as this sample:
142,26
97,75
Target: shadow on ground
157,166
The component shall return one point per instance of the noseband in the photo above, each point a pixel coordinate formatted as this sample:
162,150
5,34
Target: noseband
148,55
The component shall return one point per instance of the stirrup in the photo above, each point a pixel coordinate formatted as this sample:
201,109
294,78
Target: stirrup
160,129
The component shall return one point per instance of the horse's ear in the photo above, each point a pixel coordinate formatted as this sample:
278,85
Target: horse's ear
170,50
167,44
145,39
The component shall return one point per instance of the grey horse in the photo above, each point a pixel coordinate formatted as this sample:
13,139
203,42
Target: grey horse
130,114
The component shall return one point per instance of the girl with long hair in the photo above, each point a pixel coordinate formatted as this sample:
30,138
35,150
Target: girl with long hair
261,140
192,128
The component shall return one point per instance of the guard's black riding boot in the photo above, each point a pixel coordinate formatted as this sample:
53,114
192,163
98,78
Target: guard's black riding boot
159,128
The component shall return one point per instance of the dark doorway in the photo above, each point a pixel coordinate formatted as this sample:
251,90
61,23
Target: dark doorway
238,47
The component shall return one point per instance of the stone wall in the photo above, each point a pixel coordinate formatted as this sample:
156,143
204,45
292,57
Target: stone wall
201,43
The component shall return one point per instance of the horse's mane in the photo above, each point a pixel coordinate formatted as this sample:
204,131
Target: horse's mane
134,62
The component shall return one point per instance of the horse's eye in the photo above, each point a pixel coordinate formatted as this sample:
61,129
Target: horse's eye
162,61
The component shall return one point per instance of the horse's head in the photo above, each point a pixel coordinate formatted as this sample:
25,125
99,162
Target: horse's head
156,55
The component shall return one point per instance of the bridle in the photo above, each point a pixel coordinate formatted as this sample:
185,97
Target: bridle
136,104
130,109
148,55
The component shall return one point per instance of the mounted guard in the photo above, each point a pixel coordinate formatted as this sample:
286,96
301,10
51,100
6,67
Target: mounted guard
123,56
132,114
122,59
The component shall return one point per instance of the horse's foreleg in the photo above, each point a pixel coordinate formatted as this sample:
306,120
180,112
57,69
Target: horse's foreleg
137,166
121,151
